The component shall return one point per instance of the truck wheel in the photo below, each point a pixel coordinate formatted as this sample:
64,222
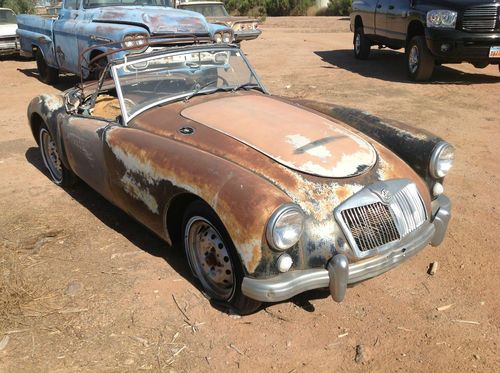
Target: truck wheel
420,61
213,259
46,73
361,44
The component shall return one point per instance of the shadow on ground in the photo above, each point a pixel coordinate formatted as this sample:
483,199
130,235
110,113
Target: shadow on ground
65,81
144,239
390,65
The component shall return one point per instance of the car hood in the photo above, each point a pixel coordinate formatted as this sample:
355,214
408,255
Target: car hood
296,138
8,30
158,20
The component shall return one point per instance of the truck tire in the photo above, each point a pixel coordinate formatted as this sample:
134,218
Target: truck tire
419,60
361,44
46,74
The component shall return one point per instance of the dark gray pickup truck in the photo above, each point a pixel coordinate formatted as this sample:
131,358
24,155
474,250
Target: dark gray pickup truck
432,32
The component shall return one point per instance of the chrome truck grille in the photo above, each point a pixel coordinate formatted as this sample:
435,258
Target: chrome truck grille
483,18
376,224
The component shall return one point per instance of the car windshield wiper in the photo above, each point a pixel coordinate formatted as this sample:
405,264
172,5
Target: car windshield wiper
247,85
199,88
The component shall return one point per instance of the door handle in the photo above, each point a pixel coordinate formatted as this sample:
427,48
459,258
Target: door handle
379,6
391,7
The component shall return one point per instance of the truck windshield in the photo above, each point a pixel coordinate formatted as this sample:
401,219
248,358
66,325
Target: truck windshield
208,10
103,3
7,16
169,77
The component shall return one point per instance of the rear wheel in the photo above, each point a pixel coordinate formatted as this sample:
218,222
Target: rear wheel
52,159
361,44
420,62
213,259
46,73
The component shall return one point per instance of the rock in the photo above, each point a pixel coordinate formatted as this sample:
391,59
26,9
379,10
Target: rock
4,342
476,356
360,354
73,288
433,267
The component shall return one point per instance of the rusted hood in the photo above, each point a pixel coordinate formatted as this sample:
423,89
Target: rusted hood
296,138
157,19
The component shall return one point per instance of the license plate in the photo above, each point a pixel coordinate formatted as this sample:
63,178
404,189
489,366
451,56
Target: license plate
494,52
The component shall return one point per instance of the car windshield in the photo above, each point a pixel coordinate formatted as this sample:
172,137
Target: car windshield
208,10
7,17
147,82
103,3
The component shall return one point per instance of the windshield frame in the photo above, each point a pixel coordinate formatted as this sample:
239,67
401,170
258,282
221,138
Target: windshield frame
192,5
118,3
116,65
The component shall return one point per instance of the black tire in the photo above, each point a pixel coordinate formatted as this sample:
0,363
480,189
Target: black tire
47,74
419,60
213,260
59,174
361,44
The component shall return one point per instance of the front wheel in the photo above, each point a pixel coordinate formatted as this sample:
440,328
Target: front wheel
361,44
52,159
47,74
420,62
213,259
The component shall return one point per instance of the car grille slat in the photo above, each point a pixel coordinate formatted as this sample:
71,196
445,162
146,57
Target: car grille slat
377,224
483,18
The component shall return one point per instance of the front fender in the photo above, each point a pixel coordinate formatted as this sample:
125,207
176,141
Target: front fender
147,170
413,145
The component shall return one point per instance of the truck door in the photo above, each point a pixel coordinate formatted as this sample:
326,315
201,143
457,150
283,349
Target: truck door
396,20
381,17
65,36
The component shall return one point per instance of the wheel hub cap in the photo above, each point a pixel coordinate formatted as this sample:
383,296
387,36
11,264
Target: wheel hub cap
413,59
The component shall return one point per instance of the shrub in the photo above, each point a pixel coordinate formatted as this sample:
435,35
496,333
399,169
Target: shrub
339,7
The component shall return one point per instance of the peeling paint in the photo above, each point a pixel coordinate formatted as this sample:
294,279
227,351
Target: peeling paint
132,187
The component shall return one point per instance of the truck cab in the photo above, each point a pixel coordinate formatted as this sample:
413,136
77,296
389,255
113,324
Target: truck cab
84,29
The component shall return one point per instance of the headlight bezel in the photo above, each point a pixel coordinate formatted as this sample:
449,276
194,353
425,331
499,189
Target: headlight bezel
280,213
436,157
227,37
218,38
138,41
434,18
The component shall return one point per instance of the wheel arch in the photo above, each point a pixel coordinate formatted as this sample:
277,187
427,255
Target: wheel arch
415,28
358,21
173,215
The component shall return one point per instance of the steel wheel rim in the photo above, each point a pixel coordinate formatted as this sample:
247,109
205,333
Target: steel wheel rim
413,59
209,259
50,155
357,43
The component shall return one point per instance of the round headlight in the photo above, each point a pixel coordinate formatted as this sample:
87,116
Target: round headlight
218,38
227,37
442,159
285,227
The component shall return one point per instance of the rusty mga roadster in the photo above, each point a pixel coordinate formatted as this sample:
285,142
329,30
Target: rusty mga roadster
267,197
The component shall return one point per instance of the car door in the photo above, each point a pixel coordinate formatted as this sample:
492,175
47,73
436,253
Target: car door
396,19
84,144
65,36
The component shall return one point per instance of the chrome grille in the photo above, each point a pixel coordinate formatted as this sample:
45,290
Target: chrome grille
374,225
409,209
481,18
371,225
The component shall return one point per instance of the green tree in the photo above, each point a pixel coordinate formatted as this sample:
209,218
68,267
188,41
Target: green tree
339,7
19,6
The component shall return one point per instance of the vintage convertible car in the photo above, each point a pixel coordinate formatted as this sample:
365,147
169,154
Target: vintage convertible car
267,197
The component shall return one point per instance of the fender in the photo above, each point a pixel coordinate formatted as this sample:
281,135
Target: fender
52,111
413,145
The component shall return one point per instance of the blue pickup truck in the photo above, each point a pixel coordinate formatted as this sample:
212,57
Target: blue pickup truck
85,28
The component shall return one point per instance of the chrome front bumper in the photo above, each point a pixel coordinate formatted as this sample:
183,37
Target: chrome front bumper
339,272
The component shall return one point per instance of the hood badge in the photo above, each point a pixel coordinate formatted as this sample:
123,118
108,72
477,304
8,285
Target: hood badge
384,194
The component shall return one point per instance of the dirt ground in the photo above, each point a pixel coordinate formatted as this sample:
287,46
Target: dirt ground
85,288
